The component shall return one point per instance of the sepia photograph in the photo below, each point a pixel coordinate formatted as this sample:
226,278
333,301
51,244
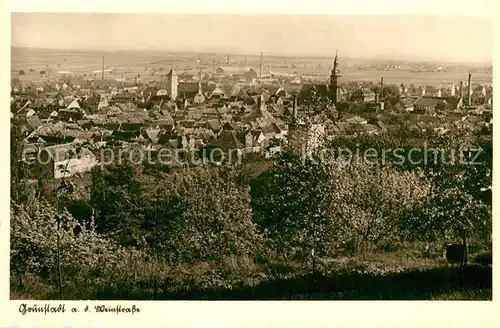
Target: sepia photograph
175,156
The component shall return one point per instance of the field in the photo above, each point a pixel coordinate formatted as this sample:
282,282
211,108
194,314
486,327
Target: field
129,64
408,273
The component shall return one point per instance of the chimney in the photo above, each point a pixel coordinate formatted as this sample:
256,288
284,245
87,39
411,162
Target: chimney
102,72
381,88
227,61
246,61
469,101
261,63
461,89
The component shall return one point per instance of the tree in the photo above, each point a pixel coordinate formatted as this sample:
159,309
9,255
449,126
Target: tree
371,199
201,214
448,213
317,103
455,206
21,72
115,195
292,205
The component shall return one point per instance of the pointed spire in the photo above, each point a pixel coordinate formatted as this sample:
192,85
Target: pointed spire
172,71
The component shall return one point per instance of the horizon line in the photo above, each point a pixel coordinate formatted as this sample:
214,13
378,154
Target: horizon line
269,54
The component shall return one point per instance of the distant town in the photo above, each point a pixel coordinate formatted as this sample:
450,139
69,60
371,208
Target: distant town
228,106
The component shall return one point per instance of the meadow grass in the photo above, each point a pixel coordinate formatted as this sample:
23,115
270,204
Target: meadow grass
402,274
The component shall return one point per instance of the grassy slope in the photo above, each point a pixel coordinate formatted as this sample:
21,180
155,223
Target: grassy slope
397,275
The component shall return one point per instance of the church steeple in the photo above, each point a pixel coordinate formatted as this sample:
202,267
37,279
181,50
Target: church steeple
199,98
335,62
334,77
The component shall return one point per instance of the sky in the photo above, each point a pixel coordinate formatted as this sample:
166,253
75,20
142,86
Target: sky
460,39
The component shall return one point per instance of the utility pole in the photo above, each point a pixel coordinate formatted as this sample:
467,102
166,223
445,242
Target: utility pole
59,273
261,63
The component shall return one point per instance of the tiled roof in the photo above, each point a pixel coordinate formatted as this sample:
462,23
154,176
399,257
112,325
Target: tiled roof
66,151
228,140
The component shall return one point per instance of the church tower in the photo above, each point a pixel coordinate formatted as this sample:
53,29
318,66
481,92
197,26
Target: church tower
334,77
199,98
172,84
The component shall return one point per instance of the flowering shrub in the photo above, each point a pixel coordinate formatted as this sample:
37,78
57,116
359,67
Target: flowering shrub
34,243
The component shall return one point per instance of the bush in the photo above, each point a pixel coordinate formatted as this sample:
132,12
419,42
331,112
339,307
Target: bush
34,245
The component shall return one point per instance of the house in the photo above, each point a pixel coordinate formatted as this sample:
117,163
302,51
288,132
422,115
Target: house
70,115
128,135
128,107
165,124
236,71
74,105
423,118
250,74
65,160
91,103
229,126
429,105
215,126
406,104
173,141
103,103
151,135
125,98
229,144
30,112
129,127
113,111
32,123
363,95
258,139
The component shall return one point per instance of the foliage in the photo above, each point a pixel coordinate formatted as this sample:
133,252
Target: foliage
34,243
202,214
317,102
115,194
293,206
306,204
447,213
371,199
